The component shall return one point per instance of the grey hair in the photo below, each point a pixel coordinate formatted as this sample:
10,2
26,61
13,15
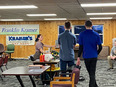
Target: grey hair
113,40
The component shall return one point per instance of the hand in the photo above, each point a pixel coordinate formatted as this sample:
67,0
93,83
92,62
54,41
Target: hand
78,61
53,46
113,57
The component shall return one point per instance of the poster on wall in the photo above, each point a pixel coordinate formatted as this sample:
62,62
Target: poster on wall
19,29
20,40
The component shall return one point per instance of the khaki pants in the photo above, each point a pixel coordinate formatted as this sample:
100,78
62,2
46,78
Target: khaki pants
110,61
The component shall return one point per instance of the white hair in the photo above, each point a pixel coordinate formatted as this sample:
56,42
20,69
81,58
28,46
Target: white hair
113,40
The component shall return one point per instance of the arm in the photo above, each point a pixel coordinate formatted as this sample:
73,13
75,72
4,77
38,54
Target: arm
80,50
42,51
99,43
75,41
48,46
111,54
79,54
100,48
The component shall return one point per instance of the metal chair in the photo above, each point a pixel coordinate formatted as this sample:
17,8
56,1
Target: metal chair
1,48
1,52
1,63
5,61
1,59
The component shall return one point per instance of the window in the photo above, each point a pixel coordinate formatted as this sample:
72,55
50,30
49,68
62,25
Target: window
61,29
76,29
99,30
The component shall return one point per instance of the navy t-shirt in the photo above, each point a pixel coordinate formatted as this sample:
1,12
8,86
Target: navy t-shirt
67,40
89,39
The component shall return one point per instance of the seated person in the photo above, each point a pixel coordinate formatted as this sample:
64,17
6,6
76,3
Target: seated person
39,47
112,56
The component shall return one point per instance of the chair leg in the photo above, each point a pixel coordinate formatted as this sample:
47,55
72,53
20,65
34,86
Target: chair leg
6,66
1,69
1,77
10,56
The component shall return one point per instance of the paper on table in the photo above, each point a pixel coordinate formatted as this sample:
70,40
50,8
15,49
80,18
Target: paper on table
35,66
35,70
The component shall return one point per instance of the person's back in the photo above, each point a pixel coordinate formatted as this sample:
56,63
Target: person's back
90,40
67,41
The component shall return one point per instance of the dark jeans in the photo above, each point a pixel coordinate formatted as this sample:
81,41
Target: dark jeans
91,68
63,65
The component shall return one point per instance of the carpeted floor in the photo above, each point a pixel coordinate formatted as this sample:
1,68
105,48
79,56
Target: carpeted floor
104,78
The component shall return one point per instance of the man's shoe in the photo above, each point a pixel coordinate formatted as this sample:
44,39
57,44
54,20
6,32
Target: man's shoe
109,69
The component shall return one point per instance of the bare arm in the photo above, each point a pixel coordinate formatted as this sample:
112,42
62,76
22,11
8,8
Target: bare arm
44,52
41,50
48,46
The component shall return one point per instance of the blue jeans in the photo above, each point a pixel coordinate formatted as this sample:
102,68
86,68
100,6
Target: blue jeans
63,64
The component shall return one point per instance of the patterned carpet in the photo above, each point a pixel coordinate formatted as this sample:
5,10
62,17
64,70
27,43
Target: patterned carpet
104,78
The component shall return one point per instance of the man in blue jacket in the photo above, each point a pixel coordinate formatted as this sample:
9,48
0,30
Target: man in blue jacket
88,42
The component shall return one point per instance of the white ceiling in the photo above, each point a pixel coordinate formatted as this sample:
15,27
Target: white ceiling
69,9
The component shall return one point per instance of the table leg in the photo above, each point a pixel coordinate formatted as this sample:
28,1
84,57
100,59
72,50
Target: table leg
20,81
33,82
1,77
50,72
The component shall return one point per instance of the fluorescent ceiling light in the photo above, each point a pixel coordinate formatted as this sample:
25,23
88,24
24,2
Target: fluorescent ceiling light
18,7
102,18
11,19
41,15
99,5
112,13
55,19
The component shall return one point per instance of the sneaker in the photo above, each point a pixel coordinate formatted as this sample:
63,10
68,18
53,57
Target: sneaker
32,59
81,78
109,69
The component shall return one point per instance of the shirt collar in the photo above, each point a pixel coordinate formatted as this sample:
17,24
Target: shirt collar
66,30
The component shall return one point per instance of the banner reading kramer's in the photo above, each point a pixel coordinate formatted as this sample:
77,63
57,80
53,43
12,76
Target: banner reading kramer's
19,29
20,40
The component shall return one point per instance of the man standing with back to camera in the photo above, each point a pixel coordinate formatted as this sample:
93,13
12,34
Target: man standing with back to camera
88,42
66,41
